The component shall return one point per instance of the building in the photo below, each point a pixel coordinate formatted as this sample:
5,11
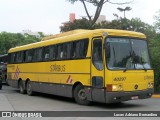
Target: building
72,17
29,32
101,18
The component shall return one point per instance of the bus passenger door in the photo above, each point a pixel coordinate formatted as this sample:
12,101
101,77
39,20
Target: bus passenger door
97,71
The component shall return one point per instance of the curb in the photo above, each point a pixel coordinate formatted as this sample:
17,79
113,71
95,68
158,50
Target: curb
155,96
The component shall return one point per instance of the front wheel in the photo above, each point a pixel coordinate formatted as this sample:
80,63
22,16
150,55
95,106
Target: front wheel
80,95
29,88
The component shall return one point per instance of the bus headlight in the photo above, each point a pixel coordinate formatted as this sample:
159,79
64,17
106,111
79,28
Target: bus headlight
116,87
111,87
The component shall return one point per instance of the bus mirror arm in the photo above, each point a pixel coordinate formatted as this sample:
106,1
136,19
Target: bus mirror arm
125,70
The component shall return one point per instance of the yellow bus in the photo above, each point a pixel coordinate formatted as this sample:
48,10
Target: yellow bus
102,65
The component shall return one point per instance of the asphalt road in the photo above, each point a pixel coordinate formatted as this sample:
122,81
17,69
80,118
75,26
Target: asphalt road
12,100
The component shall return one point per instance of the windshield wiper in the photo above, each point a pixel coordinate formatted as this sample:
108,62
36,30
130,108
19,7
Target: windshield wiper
125,70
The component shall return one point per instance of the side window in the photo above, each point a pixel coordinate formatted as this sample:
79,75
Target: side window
24,56
39,54
67,51
46,54
64,51
83,48
73,50
34,55
12,57
53,52
29,55
60,51
19,57
79,49
97,59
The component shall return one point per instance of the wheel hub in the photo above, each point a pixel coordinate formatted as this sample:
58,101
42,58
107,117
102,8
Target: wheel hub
82,94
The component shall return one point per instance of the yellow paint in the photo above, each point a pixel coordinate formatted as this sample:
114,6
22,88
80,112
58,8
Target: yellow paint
80,70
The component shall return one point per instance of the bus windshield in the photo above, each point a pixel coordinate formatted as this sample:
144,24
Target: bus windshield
126,53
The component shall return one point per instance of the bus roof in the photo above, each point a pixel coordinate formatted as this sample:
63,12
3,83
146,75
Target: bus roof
76,35
65,34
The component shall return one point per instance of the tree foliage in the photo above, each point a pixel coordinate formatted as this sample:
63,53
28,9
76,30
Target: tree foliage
9,40
99,5
155,53
134,24
77,24
155,57
157,21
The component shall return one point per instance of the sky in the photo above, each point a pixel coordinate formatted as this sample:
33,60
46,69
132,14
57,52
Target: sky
48,15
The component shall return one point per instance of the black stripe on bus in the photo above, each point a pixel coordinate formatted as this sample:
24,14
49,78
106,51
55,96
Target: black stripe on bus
86,58
48,73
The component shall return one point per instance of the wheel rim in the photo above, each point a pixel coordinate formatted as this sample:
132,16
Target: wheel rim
29,88
21,88
82,94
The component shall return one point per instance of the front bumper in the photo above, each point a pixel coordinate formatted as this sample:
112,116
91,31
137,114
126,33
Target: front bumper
113,97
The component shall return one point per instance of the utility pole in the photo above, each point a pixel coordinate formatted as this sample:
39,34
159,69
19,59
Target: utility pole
124,10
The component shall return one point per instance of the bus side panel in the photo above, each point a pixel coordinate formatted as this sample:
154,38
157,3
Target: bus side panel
52,77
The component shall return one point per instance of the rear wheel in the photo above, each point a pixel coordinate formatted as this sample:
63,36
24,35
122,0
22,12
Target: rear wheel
21,87
29,88
80,95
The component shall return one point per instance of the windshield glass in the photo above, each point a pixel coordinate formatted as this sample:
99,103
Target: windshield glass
125,53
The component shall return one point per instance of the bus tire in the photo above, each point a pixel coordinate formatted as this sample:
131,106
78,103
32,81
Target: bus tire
80,95
21,87
29,88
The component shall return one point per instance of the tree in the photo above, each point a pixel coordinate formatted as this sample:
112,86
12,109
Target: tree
124,10
155,58
134,24
155,54
9,40
77,24
98,4
157,21
41,34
